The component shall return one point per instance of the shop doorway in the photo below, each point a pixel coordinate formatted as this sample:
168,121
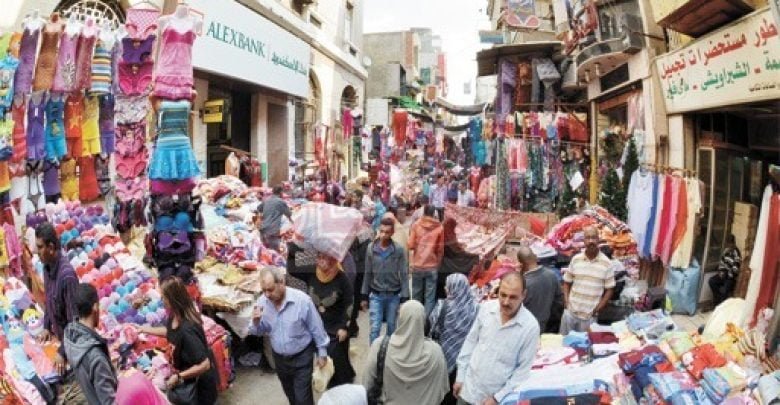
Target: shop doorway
278,151
233,130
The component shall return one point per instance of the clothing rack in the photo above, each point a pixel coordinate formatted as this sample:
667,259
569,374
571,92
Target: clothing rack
534,138
237,151
668,169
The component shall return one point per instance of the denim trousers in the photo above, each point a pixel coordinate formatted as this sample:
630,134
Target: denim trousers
382,307
424,288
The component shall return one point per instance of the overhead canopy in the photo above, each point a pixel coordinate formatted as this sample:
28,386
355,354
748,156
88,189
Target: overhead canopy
487,60
474,109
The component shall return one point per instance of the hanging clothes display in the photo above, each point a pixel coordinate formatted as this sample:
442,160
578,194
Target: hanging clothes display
765,259
400,121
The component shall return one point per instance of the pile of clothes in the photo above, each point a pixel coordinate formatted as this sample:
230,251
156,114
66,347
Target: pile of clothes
624,363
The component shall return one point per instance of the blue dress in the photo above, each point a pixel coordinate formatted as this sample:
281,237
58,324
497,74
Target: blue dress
173,158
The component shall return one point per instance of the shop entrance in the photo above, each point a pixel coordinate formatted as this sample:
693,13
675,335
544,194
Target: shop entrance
278,151
233,130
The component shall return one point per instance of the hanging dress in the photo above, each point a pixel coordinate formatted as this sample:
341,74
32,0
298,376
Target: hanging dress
173,71
35,130
69,179
47,57
101,70
65,74
8,66
27,52
84,58
19,135
55,129
88,184
173,158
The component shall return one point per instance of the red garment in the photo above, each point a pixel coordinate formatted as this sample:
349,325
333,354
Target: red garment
701,357
681,219
400,119
88,186
578,130
602,337
771,268
664,225
665,252
347,123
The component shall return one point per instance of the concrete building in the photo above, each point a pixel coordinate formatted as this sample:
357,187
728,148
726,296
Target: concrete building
271,109
403,63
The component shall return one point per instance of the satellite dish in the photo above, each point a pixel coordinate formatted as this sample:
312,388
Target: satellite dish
367,61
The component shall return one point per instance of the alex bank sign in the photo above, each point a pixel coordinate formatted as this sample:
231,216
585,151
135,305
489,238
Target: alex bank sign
240,43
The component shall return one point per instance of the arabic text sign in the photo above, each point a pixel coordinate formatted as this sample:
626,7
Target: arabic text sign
738,64
239,43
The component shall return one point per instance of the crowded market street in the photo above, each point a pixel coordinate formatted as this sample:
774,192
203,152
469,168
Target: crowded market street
360,202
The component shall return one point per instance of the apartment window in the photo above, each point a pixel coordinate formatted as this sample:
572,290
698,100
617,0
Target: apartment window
315,21
348,14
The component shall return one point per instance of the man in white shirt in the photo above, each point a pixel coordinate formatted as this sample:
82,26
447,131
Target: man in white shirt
465,195
500,347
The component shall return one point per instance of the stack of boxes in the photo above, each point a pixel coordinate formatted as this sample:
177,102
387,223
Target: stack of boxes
744,229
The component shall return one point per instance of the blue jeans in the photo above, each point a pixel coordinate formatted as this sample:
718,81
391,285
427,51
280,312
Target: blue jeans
382,307
424,288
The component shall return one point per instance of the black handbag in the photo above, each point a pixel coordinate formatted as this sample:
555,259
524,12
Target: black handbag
375,394
184,393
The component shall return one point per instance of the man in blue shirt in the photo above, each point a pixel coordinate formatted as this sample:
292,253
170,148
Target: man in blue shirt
295,328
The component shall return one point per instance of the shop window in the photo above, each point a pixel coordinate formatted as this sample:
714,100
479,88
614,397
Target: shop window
348,18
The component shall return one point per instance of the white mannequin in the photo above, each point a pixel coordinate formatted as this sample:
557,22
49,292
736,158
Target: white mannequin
55,23
180,20
38,97
34,22
73,27
107,35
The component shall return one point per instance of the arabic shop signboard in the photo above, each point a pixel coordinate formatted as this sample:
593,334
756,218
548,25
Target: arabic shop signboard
738,64
240,43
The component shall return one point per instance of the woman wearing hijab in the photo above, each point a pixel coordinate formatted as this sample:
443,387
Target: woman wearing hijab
455,259
415,370
458,311
331,292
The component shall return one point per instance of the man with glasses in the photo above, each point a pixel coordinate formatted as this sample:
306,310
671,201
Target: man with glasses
290,318
587,285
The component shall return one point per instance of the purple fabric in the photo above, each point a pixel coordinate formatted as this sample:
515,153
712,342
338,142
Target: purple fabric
35,133
59,282
168,187
506,88
27,51
51,178
136,52
107,137
177,242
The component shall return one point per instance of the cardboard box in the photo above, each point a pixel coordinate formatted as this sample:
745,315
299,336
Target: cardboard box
745,209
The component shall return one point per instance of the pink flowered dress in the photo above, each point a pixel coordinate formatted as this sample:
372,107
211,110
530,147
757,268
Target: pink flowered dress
65,76
173,71
84,61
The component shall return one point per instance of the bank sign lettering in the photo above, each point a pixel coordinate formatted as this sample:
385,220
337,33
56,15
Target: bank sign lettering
240,43
238,39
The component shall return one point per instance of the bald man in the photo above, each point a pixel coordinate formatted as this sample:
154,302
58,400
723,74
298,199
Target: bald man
542,285
587,285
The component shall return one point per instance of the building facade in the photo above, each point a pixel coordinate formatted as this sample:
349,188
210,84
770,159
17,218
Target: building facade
280,71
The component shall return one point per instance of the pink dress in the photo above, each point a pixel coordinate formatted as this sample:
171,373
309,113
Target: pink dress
84,61
65,76
173,70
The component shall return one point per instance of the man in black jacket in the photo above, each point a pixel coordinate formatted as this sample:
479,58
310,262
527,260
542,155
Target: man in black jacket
87,351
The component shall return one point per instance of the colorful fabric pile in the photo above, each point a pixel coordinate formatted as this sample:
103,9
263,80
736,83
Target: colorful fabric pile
674,368
567,236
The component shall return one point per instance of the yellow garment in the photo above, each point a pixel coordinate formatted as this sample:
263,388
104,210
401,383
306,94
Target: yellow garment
3,249
629,342
551,341
69,182
5,177
90,128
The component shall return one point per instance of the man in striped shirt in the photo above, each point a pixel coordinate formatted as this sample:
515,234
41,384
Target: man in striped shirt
587,285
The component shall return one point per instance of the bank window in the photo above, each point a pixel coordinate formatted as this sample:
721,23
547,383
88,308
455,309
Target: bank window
348,14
